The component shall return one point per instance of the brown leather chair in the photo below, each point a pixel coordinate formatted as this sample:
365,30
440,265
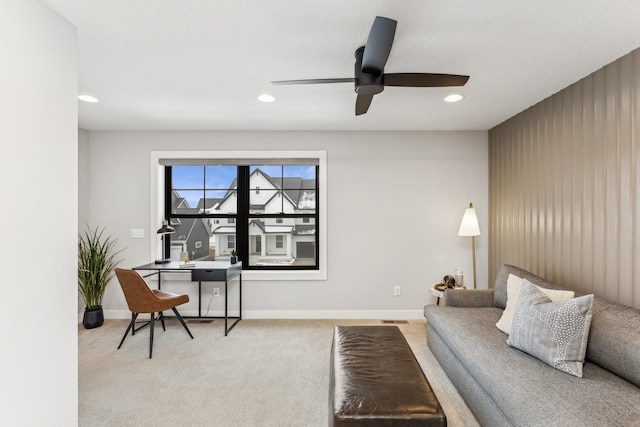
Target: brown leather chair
142,299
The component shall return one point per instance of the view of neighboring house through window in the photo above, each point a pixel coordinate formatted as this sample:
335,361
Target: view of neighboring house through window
267,213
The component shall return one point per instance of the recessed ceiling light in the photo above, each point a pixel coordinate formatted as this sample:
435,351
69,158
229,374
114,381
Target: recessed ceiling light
453,97
87,98
265,97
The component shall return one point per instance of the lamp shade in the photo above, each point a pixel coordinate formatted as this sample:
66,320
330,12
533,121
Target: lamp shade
469,225
166,228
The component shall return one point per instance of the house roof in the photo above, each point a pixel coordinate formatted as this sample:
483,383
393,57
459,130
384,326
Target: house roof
273,229
210,203
299,191
304,230
185,226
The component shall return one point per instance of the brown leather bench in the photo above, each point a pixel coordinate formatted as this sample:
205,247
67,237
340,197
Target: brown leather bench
377,381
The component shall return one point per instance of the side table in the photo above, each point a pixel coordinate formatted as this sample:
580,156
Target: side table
440,294
436,293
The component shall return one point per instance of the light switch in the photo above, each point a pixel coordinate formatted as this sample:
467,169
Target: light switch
137,233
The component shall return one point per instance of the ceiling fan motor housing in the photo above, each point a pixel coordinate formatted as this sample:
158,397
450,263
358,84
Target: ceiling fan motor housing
366,83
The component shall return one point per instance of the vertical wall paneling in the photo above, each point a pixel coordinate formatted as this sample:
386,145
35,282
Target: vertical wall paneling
635,150
564,186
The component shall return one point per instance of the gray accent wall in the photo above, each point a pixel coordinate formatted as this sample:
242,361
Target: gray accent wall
564,186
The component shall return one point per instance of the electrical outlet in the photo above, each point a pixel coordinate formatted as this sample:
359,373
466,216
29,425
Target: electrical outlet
137,233
216,292
396,291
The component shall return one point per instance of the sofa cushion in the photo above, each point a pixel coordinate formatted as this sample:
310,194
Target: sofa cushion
514,283
555,332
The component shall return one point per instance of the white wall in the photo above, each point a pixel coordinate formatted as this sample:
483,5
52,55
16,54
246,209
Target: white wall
395,201
83,194
83,178
38,136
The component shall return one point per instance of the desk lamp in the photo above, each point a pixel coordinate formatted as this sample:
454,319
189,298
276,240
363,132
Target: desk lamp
165,229
469,227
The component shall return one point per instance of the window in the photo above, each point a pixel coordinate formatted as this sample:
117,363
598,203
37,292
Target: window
267,211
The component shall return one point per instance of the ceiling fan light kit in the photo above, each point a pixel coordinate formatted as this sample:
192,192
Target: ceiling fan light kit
88,98
369,78
454,97
265,97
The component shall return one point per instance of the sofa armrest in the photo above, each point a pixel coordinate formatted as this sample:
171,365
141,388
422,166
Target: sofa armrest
469,297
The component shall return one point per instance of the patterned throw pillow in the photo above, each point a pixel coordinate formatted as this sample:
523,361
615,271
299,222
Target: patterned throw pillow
554,332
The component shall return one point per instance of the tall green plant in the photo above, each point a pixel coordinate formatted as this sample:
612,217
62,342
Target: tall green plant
96,262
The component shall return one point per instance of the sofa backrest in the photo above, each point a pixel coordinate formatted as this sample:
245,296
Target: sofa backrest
614,339
614,336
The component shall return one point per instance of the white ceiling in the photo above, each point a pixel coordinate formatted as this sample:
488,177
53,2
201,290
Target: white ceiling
200,64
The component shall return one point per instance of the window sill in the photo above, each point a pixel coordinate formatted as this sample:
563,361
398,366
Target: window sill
302,275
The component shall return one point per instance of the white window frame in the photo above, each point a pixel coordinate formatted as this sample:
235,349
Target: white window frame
157,204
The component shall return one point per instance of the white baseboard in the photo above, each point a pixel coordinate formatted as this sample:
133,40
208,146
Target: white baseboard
297,314
334,314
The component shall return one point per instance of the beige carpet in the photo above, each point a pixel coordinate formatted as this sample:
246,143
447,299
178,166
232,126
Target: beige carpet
264,373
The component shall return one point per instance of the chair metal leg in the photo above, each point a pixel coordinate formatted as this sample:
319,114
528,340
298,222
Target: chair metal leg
153,321
162,321
129,328
182,321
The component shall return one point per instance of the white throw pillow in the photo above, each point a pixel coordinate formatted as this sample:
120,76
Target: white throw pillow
514,283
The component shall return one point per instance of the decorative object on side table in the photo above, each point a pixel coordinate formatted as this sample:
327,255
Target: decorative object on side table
96,262
438,289
469,227
448,281
459,276
234,257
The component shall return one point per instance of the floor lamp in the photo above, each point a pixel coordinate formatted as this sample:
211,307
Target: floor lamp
469,228
165,229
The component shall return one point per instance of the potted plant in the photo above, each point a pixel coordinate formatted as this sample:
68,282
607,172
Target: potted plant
96,262
234,256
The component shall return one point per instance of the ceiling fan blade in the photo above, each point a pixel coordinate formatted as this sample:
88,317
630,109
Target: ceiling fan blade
378,47
362,104
424,79
313,81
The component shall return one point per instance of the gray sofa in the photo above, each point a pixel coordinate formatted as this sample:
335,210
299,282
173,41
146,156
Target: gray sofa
504,386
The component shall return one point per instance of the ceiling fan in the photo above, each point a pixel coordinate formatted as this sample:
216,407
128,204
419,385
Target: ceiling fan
369,77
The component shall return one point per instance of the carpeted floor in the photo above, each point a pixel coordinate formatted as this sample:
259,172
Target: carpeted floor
264,373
